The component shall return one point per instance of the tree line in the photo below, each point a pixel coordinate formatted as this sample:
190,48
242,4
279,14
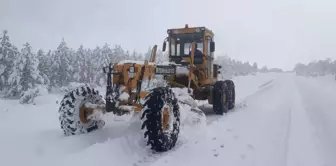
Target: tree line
22,69
231,67
320,67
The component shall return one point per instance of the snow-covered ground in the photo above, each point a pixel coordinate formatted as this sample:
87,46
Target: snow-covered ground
280,120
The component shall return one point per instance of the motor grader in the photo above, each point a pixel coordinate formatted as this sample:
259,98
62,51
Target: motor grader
129,89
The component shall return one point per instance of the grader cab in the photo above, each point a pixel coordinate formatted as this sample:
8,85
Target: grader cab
129,89
193,49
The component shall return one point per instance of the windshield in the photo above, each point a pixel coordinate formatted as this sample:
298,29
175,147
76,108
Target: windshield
182,43
187,47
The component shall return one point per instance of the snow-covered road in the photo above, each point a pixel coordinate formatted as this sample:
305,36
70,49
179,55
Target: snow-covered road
280,120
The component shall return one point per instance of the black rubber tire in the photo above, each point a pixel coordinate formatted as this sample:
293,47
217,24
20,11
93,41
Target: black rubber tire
151,119
220,102
231,96
69,111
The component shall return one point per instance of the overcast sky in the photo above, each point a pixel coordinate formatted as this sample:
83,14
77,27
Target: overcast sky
276,33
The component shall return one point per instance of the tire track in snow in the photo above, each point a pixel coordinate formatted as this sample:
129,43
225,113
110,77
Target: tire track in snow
242,103
318,99
289,122
300,144
218,148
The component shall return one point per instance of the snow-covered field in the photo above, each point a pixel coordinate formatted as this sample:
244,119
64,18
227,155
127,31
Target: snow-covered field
280,120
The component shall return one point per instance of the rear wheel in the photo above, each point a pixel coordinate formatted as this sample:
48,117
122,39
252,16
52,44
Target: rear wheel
73,114
220,101
231,95
160,119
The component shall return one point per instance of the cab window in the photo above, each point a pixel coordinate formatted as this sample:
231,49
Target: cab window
187,47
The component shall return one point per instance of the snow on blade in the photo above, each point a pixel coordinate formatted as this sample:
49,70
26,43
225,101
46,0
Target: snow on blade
124,96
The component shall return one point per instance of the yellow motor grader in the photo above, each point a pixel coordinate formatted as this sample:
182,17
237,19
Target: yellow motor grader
130,89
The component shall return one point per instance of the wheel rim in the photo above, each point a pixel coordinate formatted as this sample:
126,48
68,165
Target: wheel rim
166,118
84,113
224,98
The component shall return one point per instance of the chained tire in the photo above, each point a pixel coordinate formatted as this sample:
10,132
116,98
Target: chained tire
71,115
160,119
220,101
231,96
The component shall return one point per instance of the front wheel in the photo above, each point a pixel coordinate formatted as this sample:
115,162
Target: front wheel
160,119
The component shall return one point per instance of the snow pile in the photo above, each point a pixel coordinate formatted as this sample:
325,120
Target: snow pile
72,86
124,96
28,96
190,115
184,97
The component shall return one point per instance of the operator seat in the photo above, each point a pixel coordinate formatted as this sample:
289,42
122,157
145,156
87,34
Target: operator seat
198,58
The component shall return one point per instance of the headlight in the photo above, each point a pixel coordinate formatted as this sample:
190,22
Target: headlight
131,72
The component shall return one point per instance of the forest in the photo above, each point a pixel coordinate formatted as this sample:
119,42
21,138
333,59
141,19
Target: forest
22,70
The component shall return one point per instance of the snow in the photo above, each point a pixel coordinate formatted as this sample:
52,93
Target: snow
182,70
29,95
279,120
72,86
124,96
135,61
126,107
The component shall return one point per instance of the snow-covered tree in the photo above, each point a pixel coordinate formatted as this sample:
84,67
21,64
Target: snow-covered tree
61,69
118,54
255,67
25,74
64,66
148,53
8,53
82,60
231,67
319,67
43,65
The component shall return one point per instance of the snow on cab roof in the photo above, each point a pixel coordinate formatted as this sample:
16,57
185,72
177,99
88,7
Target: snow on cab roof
142,62
134,61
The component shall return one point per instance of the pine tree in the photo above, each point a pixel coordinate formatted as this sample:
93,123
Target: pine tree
26,74
8,54
61,69
43,65
148,53
255,67
82,68
118,54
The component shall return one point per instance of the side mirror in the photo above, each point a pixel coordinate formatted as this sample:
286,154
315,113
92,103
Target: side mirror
164,46
212,46
105,69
